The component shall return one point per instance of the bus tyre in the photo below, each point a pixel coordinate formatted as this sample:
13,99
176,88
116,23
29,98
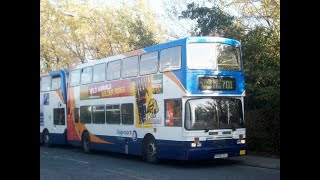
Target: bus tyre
150,150
85,142
46,139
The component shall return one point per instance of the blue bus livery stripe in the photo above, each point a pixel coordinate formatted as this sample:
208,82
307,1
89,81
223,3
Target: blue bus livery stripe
167,149
213,39
184,41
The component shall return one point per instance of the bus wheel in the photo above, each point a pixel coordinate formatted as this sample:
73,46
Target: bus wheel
85,142
46,138
150,150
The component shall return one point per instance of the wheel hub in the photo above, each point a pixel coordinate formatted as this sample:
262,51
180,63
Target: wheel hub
46,138
151,149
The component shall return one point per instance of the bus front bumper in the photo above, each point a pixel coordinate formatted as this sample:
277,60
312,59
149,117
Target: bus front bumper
199,153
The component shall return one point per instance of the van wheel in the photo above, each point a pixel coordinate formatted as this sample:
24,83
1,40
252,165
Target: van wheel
85,142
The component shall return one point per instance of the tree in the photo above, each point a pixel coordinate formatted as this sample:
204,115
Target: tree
62,42
72,32
265,12
261,52
176,26
253,13
213,21
261,55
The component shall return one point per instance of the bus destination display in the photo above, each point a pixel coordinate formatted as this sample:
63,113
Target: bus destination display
216,83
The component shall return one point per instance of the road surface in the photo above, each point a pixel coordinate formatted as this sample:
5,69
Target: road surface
71,163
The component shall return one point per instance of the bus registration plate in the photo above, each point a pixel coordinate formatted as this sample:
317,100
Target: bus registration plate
216,156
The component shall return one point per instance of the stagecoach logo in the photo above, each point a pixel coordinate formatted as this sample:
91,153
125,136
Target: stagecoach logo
133,134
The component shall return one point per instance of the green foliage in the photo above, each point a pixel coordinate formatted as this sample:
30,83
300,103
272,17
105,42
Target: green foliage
210,21
262,68
144,37
263,130
261,55
265,13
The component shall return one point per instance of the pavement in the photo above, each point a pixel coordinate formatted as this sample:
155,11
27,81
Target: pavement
258,161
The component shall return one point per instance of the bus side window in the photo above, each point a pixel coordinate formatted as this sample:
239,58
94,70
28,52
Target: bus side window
127,113
86,75
75,78
173,109
55,83
99,72
130,67
113,70
149,63
85,114
58,116
46,83
76,115
170,59
98,114
113,114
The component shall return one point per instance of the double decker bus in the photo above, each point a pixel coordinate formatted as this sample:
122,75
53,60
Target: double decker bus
53,99
178,100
